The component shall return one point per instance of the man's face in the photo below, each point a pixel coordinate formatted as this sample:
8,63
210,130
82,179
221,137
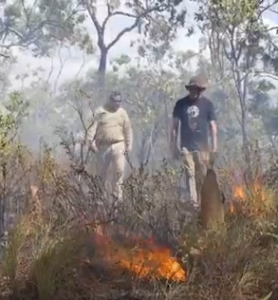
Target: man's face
194,92
116,102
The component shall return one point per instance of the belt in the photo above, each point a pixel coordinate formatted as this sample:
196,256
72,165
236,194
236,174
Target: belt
107,143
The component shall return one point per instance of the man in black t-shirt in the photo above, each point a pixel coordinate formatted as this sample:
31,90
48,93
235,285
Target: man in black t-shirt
196,116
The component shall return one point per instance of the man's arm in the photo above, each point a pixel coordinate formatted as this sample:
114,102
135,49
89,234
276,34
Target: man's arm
93,128
213,132
173,131
128,134
212,126
174,125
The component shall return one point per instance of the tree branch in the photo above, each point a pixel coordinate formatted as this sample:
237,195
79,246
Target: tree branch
24,38
272,28
109,10
133,26
116,13
268,75
123,32
4,55
267,7
30,37
92,13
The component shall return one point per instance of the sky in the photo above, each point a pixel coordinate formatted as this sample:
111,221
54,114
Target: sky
74,62
68,64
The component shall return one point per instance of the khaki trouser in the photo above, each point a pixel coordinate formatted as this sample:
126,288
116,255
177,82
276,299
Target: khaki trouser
111,161
195,167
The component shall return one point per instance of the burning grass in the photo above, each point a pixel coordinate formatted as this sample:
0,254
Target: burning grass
143,258
44,261
61,250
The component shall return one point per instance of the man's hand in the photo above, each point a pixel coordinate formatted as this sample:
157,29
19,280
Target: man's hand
94,147
127,149
214,149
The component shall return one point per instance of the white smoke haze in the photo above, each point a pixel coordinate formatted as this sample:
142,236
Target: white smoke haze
44,82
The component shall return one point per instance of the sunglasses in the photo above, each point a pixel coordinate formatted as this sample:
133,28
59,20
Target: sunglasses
195,88
116,100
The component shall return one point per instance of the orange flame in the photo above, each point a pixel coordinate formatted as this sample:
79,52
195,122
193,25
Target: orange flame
154,263
148,261
250,200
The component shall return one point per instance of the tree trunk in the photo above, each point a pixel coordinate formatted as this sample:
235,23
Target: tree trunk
3,203
244,129
102,65
246,147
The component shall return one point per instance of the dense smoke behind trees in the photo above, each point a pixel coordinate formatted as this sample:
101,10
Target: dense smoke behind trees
237,51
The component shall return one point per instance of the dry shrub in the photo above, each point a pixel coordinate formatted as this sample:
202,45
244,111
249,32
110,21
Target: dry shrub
236,261
54,257
45,250
10,259
42,256
232,265
54,253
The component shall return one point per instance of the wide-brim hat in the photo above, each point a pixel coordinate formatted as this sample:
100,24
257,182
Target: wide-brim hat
199,81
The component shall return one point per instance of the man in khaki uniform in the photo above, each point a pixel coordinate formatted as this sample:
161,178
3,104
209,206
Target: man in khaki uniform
111,139
195,115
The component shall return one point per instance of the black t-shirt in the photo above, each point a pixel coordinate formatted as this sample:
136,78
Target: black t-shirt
195,117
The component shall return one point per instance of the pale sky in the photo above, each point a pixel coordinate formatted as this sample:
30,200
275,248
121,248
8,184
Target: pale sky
68,64
73,62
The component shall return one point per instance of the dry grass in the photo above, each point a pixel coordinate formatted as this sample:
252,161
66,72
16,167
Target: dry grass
59,247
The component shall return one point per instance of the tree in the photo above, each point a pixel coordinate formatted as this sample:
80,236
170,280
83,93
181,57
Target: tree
156,19
15,108
236,36
42,25
265,110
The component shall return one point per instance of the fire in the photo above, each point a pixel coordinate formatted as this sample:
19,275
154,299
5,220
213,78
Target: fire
252,200
239,192
152,263
145,260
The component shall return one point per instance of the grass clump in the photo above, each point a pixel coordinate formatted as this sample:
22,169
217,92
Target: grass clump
54,257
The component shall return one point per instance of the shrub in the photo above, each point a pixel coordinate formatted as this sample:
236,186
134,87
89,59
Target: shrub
65,245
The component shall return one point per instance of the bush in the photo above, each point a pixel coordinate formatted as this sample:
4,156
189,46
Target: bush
65,245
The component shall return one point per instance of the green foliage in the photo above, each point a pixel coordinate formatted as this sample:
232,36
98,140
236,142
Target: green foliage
17,104
121,60
43,25
16,108
233,12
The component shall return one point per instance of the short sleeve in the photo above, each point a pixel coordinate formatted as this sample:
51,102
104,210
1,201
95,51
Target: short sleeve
177,110
211,112
97,113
